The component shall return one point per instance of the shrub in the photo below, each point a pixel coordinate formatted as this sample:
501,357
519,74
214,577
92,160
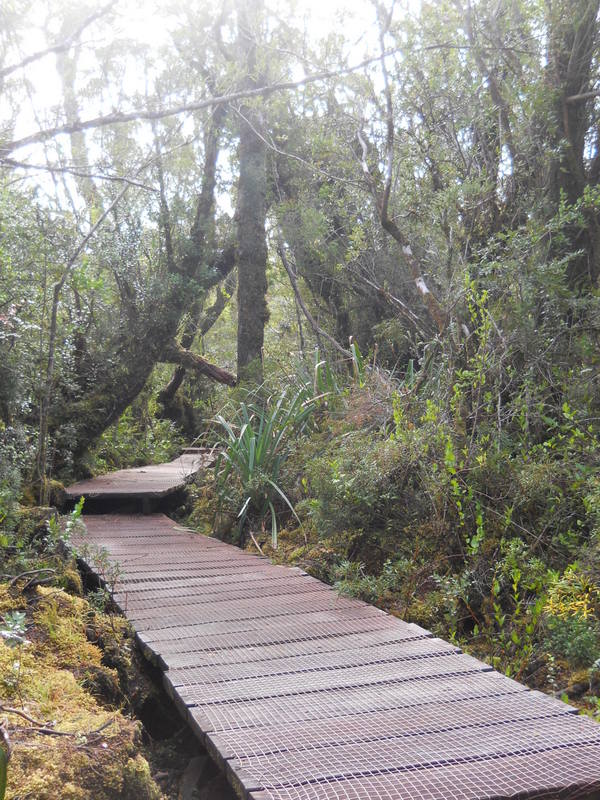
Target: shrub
575,638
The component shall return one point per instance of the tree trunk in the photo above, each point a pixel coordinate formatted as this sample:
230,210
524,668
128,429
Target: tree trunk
251,209
572,43
149,333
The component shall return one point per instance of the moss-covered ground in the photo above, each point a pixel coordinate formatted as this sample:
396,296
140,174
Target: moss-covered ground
69,695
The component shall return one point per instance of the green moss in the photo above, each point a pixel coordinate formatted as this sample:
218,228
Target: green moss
137,781
59,678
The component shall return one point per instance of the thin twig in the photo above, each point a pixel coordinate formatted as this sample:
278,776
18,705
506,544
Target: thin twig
32,573
9,710
258,547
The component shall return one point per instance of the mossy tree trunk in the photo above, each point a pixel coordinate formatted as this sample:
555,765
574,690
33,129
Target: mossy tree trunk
149,334
572,48
251,206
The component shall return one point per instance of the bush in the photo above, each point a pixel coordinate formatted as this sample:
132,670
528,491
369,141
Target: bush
575,638
135,441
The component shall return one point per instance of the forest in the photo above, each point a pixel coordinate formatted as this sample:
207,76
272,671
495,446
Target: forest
355,249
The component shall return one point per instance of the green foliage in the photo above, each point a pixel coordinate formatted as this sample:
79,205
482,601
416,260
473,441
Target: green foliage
137,438
358,364
15,460
350,578
63,533
254,448
575,638
12,633
13,629
325,383
454,467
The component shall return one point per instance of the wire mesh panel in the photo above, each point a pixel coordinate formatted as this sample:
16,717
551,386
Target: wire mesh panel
370,726
300,683
313,662
427,749
239,653
275,628
200,587
342,701
323,632
561,774
305,695
288,597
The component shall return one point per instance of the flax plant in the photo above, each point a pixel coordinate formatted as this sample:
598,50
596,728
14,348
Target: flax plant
253,449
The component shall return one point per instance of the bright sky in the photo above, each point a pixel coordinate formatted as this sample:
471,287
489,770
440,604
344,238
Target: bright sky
354,18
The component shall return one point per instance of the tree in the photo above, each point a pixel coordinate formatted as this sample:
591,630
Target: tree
252,201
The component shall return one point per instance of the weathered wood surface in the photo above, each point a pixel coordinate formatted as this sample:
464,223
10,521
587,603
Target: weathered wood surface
154,481
301,694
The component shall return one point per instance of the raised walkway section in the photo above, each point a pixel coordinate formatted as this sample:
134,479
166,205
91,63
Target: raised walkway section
301,694
151,482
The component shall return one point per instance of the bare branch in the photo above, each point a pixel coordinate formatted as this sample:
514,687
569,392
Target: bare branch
312,321
52,168
382,196
579,98
65,44
208,102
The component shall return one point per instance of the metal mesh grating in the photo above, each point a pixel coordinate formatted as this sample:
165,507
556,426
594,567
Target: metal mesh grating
278,627
301,683
289,597
305,695
313,662
344,701
429,749
373,725
253,655
289,637
561,774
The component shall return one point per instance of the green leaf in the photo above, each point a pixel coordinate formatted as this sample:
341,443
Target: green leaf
273,526
282,495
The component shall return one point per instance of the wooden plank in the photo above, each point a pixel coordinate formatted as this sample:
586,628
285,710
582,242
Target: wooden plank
312,662
424,750
372,725
258,687
250,654
156,480
561,774
440,690
302,694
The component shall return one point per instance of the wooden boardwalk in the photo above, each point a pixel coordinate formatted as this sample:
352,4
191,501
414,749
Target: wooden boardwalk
143,483
300,694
